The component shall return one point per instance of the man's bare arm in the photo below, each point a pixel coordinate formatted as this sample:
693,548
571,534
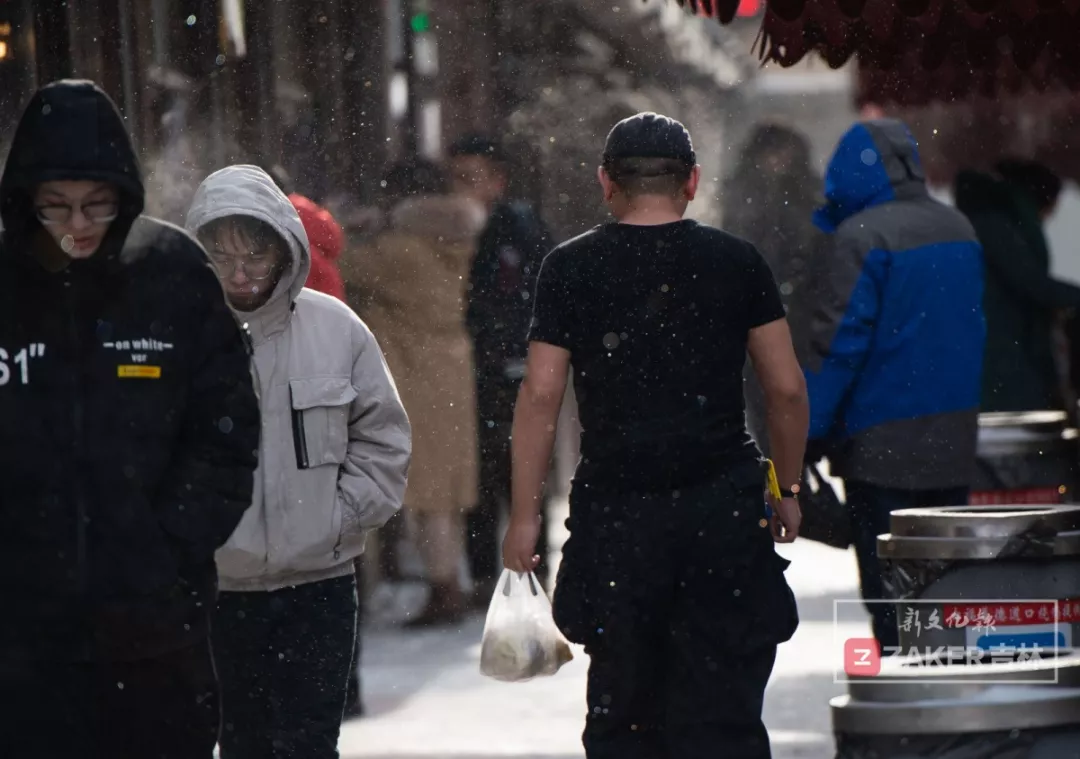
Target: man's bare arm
536,417
786,403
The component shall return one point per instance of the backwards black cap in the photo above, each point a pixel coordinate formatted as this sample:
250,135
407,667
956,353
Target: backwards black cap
649,135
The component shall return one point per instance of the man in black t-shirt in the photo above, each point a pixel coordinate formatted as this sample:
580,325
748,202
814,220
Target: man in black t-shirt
669,578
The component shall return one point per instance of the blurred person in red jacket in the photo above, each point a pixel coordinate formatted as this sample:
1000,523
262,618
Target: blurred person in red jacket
325,235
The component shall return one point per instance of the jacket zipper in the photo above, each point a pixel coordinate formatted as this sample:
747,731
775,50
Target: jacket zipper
78,424
300,440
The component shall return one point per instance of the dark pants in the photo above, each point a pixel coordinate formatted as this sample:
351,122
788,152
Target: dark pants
495,418
870,507
284,660
680,601
354,698
164,708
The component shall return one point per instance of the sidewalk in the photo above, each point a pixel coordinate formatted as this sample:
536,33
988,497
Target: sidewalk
427,700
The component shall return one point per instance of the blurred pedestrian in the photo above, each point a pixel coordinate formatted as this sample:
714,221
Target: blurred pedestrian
334,457
1008,209
127,450
412,280
325,235
897,343
770,200
501,284
670,578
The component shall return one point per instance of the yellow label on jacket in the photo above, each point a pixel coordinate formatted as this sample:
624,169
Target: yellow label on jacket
138,371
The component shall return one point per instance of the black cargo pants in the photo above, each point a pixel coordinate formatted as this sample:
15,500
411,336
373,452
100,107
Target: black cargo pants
680,600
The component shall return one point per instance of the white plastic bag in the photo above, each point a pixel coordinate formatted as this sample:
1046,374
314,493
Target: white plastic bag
521,640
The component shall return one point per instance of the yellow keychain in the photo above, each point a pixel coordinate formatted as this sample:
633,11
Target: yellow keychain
772,482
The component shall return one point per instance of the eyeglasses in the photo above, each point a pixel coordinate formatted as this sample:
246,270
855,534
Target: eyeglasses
255,266
98,212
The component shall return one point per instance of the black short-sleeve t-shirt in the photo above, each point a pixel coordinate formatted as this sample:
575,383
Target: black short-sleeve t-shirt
656,320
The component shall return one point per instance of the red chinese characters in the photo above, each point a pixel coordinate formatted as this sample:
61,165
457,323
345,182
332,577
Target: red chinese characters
1010,614
1032,496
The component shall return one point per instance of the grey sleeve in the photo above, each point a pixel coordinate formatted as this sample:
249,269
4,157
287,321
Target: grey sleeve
842,289
373,478
842,330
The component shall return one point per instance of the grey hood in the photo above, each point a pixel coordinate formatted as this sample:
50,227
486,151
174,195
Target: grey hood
335,445
249,191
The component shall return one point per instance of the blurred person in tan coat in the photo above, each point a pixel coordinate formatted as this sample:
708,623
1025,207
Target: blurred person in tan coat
410,282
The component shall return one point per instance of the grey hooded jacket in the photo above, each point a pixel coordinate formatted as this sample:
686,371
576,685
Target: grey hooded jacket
336,441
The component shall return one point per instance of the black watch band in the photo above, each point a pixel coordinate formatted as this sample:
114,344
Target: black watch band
792,492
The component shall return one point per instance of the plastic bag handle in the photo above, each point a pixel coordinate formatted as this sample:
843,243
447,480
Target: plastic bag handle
533,585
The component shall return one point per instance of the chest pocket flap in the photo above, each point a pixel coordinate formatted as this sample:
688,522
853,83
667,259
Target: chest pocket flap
320,419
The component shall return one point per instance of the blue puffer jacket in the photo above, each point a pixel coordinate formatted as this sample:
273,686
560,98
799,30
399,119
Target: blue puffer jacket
898,332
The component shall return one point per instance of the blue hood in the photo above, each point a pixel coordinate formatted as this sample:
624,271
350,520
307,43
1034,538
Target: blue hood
876,162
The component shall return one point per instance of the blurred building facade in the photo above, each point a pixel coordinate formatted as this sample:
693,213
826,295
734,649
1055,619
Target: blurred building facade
202,83
335,90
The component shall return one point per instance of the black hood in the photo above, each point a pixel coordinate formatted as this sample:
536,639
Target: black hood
980,195
69,130
975,192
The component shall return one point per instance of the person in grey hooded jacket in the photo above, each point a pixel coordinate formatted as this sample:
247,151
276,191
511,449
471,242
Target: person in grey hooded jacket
896,344
334,457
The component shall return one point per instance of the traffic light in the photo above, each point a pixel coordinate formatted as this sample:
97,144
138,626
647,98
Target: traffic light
749,8
421,22
746,9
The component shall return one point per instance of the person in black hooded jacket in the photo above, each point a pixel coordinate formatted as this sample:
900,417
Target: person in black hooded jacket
127,449
1008,210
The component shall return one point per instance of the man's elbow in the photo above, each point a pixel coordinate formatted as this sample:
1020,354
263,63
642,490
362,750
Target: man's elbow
542,392
789,392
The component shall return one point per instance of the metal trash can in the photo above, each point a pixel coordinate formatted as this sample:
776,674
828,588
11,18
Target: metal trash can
1029,457
984,576
919,709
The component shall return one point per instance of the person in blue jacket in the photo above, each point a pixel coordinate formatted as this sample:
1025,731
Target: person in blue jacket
894,371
